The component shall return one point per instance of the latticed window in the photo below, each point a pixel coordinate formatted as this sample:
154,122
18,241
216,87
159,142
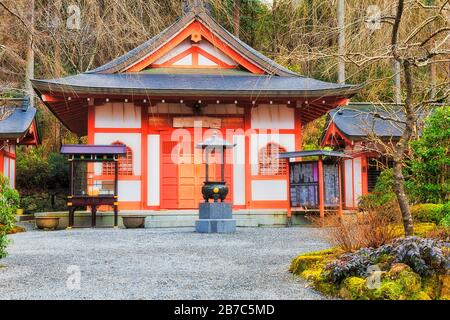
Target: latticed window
268,162
125,163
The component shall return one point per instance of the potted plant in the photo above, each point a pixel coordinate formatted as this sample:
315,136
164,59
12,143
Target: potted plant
47,223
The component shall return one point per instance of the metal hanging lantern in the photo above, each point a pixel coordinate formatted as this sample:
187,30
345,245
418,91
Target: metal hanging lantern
214,189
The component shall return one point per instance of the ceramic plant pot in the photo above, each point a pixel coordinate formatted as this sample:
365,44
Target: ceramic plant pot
47,223
133,222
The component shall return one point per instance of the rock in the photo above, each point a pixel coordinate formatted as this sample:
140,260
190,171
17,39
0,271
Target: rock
397,268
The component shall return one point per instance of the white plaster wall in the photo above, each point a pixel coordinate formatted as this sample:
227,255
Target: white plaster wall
185,61
258,141
348,183
132,140
12,173
273,116
6,166
353,181
129,190
204,61
269,190
153,158
118,115
357,179
186,44
239,170
208,47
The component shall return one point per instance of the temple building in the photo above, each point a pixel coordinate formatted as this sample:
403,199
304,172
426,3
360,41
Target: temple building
366,132
17,127
192,80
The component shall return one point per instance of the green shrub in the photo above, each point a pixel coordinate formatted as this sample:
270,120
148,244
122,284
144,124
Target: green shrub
42,179
427,212
382,194
430,161
9,201
445,221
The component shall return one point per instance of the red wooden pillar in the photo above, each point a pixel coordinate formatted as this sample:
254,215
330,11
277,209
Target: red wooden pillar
340,188
364,169
289,208
248,174
1,162
144,155
321,189
116,192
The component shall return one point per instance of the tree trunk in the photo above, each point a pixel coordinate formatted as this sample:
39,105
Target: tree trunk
275,27
403,202
341,40
400,150
236,17
29,72
397,82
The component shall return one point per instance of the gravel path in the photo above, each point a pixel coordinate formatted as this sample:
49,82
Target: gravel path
157,264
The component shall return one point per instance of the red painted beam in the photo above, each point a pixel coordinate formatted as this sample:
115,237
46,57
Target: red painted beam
321,190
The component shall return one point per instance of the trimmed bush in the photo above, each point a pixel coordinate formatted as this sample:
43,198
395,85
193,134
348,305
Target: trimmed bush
428,212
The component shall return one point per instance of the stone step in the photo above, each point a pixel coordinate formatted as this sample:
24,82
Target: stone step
24,217
173,222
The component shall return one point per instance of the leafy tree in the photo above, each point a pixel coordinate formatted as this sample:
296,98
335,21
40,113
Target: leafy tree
430,163
9,202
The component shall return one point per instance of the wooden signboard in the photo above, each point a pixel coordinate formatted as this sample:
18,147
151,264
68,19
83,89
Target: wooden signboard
200,122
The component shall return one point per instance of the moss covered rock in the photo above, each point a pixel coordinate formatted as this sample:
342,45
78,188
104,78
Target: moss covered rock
432,286
353,288
421,295
312,260
311,274
397,268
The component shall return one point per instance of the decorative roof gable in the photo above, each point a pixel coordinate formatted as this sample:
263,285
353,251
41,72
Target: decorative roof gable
195,40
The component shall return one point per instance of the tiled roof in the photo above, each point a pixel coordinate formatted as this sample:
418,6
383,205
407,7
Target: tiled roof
177,84
19,120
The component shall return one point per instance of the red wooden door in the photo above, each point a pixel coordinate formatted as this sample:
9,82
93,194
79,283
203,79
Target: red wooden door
169,174
181,181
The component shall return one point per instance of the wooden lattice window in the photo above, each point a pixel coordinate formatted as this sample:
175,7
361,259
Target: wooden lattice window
125,163
268,162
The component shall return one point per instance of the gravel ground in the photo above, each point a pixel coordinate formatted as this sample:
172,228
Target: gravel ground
157,264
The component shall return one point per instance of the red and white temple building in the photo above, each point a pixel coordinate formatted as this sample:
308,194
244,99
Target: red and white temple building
191,80
17,127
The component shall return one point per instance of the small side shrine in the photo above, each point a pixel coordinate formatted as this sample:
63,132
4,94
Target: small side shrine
87,191
215,217
315,185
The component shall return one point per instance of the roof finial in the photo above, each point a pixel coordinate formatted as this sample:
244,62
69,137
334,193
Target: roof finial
195,6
